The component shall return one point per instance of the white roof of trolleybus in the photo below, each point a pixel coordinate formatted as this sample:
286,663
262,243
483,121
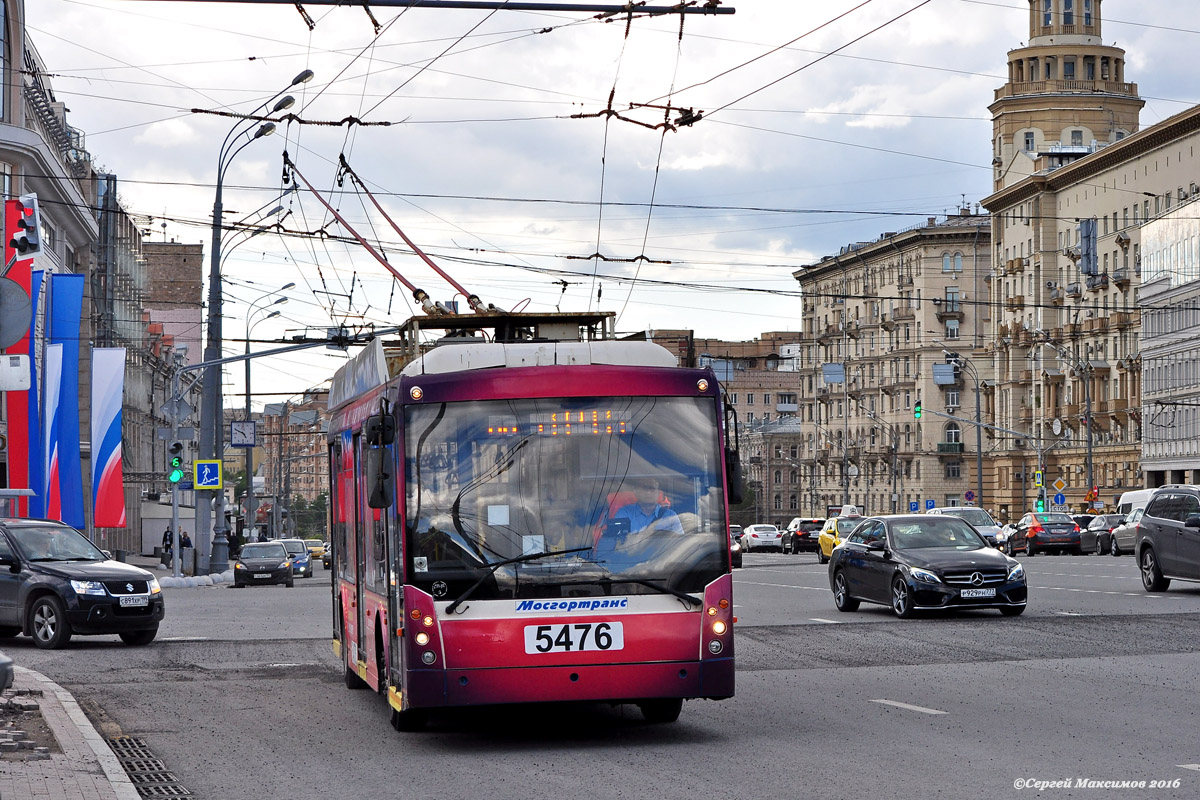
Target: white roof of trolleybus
489,355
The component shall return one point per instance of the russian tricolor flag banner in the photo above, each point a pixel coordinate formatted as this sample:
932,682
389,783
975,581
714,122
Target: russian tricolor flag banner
65,307
108,480
52,367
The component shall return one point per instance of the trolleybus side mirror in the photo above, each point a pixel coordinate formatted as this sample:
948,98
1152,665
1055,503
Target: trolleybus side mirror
379,430
381,474
733,476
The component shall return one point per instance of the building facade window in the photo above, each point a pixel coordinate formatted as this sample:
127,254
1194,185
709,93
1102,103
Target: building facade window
954,469
1028,141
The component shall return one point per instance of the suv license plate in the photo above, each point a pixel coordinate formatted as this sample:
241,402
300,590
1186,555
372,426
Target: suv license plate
978,592
574,637
136,600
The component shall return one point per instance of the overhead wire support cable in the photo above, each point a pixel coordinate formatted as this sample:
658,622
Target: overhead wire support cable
419,295
472,299
710,7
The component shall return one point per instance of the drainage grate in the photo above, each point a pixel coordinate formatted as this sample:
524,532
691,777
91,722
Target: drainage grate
148,774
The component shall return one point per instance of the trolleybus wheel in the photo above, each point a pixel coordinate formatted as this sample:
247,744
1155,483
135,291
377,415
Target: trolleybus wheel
353,682
408,721
664,710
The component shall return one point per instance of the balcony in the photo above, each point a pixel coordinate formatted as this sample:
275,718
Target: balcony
787,408
1057,296
949,448
1121,278
1017,265
902,314
1015,303
1121,319
1097,325
906,280
887,322
1097,282
1025,413
949,309
1074,290
1061,86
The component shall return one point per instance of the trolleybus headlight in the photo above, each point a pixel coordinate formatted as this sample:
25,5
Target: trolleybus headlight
712,611
719,627
428,657
422,638
702,385
427,622
714,647
416,393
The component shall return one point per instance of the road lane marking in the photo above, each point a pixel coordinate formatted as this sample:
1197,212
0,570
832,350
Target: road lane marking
910,707
826,621
1189,766
183,638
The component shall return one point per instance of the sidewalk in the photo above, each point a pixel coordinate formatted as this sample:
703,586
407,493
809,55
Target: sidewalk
86,769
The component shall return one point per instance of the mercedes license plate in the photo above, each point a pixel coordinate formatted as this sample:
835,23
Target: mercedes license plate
135,600
573,637
978,592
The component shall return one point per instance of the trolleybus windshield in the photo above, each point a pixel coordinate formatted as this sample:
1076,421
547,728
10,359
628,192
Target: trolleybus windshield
623,495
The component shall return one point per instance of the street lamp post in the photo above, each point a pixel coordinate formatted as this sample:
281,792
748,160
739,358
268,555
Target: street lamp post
212,429
251,501
965,363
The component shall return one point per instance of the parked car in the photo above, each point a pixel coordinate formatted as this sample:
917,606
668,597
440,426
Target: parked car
917,562
735,545
54,584
1051,531
761,537
1124,536
834,532
802,534
6,672
1168,538
977,518
263,563
1097,536
1137,498
302,563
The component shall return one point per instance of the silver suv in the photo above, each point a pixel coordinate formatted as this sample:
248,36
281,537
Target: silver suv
1168,537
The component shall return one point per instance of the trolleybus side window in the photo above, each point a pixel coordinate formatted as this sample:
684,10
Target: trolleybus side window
343,505
375,528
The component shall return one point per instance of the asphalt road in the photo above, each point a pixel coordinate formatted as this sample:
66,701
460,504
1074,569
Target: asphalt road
242,697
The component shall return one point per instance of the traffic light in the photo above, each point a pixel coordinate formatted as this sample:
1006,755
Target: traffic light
175,462
27,239
1041,501
917,411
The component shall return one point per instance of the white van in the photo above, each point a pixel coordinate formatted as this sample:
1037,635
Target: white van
1138,498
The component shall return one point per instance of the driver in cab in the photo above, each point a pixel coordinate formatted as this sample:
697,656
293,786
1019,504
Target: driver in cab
647,512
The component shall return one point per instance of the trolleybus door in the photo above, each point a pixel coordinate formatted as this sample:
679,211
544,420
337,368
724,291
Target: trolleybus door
362,522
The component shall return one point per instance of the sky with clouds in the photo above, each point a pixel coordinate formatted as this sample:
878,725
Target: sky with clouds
823,124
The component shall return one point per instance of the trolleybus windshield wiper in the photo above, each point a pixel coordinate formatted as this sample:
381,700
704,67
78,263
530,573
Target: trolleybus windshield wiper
495,565
608,582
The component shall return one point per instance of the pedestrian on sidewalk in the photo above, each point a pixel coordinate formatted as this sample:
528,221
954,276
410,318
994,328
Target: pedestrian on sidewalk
168,540
185,541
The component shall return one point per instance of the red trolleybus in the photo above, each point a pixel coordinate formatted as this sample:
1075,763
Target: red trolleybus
535,514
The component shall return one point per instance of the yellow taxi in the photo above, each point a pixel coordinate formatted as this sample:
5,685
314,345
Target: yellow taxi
835,531
316,548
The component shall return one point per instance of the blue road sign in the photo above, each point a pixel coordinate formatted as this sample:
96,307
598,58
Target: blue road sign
914,505
206,474
1060,498
930,504
969,495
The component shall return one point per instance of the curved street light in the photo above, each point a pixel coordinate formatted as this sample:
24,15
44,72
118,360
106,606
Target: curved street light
212,434
251,500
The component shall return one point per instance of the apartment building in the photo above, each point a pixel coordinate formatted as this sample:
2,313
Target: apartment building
883,314
1065,339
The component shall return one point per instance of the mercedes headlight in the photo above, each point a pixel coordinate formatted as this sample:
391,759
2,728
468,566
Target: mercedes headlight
924,575
1016,573
89,587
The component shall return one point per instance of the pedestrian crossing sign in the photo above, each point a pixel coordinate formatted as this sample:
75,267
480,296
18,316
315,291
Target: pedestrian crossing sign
207,474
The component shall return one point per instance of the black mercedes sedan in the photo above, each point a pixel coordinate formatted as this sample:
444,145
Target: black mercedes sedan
919,562
54,583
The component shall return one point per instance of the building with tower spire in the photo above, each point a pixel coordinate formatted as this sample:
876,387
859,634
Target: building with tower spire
1066,95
